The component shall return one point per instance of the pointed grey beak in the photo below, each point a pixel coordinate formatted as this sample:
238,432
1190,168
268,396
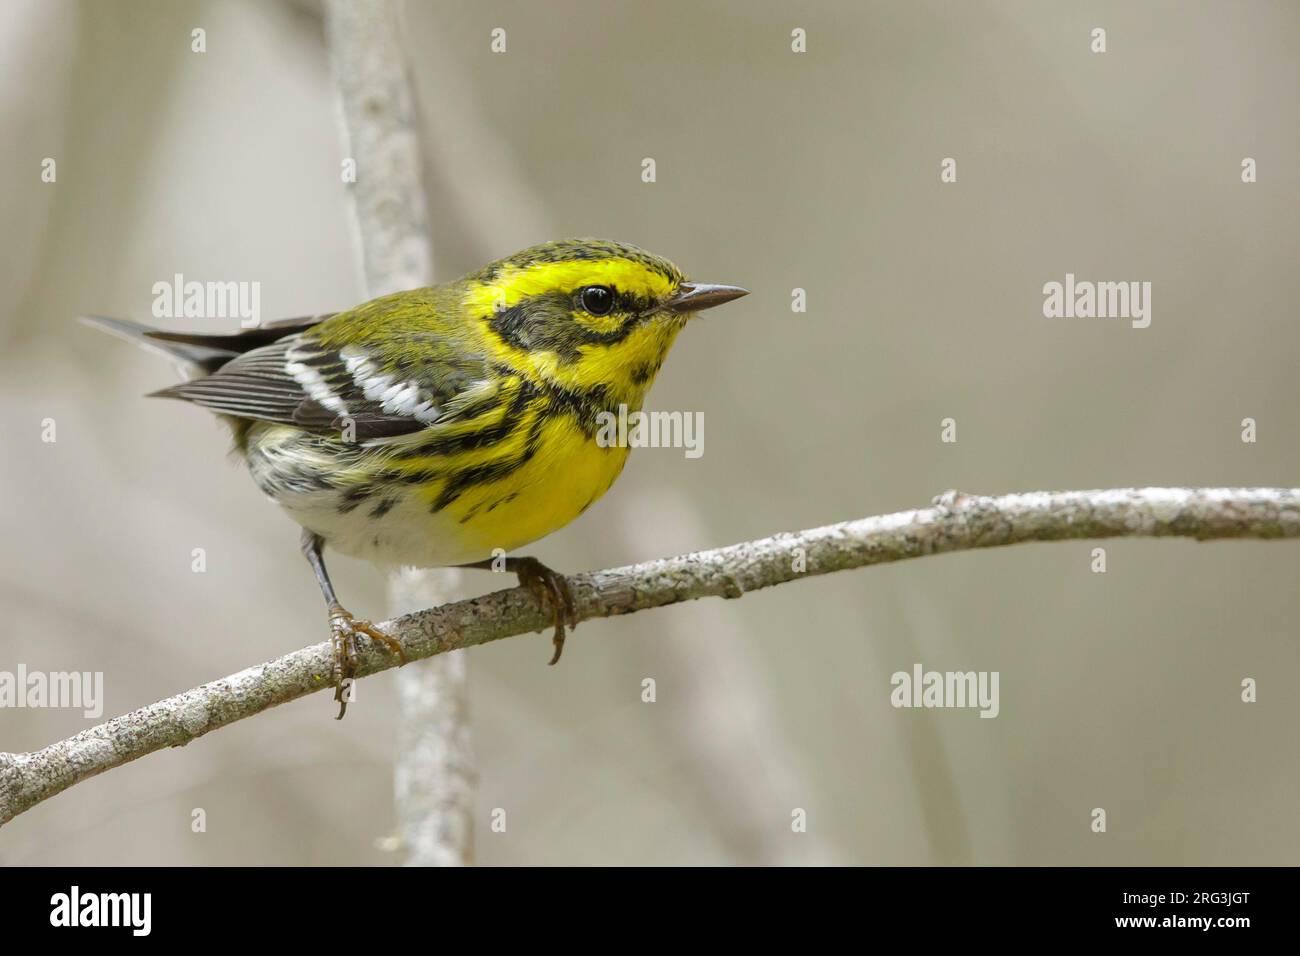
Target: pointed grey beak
694,296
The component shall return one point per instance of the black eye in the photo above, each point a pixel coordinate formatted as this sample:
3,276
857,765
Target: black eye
597,299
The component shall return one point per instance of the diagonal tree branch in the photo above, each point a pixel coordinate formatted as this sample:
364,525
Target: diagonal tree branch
956,522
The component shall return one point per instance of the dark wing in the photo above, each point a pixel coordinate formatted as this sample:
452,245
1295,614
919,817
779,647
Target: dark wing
298,381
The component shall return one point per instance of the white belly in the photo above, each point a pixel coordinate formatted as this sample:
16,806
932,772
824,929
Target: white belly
406,534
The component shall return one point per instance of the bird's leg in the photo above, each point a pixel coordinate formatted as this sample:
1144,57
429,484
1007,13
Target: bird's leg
549,587
344,628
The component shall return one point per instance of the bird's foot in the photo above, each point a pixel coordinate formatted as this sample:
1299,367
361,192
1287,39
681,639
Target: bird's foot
552,591
344,629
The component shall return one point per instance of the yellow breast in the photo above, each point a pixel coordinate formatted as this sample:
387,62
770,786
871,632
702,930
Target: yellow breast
564,475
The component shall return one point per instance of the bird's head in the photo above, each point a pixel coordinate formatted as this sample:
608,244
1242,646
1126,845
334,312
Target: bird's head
587,315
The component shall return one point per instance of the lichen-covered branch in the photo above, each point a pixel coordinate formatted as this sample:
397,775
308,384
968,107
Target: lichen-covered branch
955,522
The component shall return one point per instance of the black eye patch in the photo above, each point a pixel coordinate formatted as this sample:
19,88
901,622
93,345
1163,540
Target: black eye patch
544,322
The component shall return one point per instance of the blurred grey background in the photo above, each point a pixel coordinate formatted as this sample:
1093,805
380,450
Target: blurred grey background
775,170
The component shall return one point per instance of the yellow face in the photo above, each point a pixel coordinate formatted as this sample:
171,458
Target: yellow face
584,316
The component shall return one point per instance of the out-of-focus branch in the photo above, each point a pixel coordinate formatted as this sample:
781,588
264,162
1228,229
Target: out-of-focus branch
434,776
383,141
955,522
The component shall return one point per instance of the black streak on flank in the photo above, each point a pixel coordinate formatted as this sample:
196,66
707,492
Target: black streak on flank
463,481
503,501
353,497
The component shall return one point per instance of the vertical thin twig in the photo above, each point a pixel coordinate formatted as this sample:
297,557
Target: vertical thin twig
434,777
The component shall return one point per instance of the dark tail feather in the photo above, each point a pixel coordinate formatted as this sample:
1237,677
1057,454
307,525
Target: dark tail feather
204,358
245,340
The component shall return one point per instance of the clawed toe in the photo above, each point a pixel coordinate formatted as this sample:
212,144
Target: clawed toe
553,592
344,629
550,588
